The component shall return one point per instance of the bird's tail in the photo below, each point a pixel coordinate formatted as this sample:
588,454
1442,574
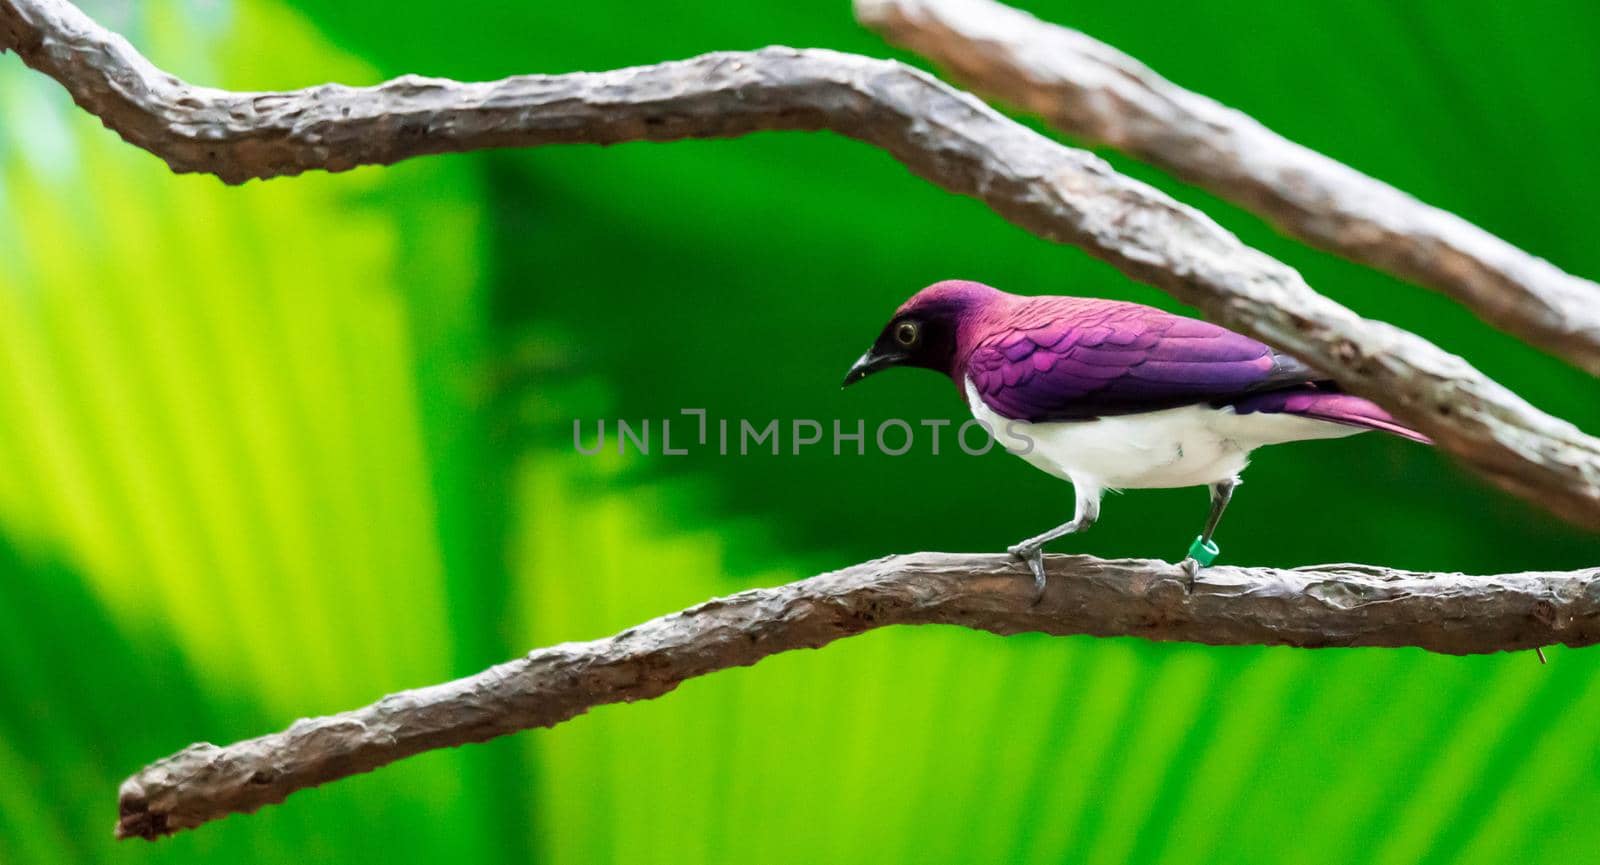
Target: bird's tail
1324,402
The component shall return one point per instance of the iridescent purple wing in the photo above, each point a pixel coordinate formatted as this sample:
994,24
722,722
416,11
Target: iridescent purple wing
1056,361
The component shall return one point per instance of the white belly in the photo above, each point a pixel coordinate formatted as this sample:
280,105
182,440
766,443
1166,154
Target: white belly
1179,447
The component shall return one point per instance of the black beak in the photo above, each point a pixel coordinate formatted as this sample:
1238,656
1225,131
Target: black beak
870,363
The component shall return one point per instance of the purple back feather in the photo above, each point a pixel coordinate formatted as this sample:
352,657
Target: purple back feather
1071,358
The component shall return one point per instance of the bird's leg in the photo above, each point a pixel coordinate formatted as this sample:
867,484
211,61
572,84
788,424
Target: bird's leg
1221,493
1032,549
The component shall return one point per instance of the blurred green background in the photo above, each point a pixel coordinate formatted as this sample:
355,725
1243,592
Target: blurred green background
277,450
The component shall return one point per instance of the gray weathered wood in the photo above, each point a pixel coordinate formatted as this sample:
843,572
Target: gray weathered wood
948,137
1329,605
956,141
1100,95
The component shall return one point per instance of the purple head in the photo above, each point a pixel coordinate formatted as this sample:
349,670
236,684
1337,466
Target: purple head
927,331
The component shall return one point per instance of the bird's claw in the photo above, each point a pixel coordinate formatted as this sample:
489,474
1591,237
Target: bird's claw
1034,557
1191,569
1202,553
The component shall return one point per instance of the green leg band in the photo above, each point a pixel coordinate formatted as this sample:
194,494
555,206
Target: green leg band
1204,551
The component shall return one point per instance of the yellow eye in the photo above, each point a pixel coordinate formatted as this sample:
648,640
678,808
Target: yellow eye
906,333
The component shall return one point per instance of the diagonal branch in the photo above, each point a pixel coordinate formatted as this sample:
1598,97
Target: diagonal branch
1093,91
962,145
948,137
1331,605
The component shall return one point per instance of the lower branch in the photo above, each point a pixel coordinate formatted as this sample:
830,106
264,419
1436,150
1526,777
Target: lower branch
1329,605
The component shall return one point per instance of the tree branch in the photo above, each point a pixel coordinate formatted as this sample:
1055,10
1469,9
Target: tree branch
962,145
1094,92
1330,605
948,137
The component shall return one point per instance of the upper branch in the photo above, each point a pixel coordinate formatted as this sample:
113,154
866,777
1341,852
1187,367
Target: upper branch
1095,92
1332,605
948,137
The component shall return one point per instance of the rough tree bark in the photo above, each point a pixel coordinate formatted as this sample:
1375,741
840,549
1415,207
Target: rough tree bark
957,142
1332,605
1095,92
948,137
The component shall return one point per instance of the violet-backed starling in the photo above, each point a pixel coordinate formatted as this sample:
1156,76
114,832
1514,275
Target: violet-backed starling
1114,395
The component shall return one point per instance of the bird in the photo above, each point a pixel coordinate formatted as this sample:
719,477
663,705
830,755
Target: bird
1112,395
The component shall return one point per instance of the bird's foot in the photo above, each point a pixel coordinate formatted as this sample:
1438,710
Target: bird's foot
1033,554
1191,570
1201,554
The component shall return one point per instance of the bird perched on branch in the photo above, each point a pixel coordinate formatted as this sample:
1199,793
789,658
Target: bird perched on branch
1114,395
